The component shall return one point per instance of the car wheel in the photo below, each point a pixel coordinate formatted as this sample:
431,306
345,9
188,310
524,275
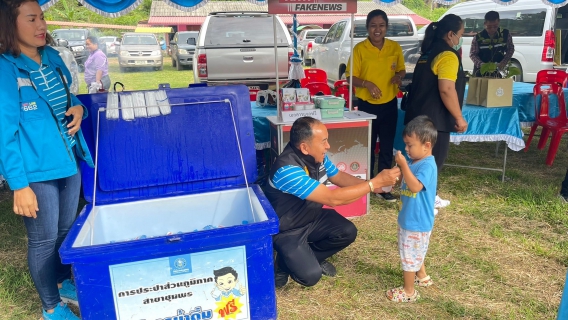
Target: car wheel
518,78
179,67
160,68
173,63
122,69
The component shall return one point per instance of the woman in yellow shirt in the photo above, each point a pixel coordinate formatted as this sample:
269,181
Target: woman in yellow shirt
378,69
438,85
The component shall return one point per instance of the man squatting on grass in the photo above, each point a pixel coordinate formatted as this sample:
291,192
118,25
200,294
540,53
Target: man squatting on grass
308,233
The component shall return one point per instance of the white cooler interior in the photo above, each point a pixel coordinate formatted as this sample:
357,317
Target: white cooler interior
166,216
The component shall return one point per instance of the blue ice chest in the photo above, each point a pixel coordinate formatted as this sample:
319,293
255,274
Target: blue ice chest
175,233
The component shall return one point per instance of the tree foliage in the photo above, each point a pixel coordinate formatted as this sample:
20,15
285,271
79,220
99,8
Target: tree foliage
72,10
428,9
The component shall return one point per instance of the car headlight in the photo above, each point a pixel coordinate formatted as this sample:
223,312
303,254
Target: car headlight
182,51
78,48
157,53
124,54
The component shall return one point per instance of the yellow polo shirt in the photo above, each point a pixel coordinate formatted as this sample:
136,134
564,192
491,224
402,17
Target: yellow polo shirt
445,65
376,66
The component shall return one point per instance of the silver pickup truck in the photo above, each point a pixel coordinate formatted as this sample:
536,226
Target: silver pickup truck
332,54
238,47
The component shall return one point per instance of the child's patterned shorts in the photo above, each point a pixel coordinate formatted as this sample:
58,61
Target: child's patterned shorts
412,246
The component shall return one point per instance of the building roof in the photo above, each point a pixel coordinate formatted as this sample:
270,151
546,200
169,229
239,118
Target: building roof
154,29
162,9
163,14
287,19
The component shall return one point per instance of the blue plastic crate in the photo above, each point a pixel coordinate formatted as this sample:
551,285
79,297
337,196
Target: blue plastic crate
175,233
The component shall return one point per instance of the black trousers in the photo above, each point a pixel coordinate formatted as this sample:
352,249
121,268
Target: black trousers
300,251
441,149
383,127
564,190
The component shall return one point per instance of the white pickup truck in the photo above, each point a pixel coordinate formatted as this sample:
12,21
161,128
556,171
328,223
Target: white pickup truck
238,47
332,54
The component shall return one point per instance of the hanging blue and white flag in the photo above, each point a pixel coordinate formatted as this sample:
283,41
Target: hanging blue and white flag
259,2
186,5
447,2
555,3
505,2
387,2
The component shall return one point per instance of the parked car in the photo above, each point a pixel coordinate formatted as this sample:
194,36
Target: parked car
76,39
420,33
332,55
182,48
238,47
306,44
139,50
110,44
69,60
532,25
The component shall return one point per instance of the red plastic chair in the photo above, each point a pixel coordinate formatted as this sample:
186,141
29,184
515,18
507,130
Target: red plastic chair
552,76
556,126
341,88
317,87
313,75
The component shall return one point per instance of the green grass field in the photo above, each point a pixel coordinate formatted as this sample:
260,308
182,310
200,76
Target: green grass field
500,251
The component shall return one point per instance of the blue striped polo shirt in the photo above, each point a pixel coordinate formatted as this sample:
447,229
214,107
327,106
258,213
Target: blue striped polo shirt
47,79
296,181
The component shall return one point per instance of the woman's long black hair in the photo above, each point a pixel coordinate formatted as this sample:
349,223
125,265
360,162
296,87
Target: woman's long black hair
437,30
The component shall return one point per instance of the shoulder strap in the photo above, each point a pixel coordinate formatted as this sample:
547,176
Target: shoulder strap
66,88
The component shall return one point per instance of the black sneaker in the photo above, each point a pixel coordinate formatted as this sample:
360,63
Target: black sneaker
280,278
328,269
563,198
280,275
387,196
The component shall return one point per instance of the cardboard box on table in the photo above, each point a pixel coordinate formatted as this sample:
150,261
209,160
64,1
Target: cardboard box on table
490,92
172,206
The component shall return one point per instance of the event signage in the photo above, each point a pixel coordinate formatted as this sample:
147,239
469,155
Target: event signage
291,116
205,285
312,6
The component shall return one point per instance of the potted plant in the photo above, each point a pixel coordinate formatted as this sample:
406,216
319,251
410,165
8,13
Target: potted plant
491,70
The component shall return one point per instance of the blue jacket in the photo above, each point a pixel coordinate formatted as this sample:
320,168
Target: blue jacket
32,146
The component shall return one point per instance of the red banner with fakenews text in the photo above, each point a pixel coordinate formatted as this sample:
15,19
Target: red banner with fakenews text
312,6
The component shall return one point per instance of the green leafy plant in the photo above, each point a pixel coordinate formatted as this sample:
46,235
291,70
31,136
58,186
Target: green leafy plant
490,70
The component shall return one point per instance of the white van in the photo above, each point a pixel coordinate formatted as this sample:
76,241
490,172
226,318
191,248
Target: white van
532,25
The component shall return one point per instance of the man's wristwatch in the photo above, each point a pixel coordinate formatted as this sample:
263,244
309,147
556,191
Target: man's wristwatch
371,186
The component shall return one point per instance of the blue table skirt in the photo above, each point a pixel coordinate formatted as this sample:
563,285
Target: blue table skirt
523,101
485,124
261,125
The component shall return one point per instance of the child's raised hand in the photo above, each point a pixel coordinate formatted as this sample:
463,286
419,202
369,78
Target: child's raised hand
400,159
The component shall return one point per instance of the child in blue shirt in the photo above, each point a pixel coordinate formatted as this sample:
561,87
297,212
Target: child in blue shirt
416,216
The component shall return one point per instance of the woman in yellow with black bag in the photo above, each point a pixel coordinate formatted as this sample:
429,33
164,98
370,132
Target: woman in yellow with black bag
378,69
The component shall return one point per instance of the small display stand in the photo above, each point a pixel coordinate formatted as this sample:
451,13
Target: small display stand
174,229
350,151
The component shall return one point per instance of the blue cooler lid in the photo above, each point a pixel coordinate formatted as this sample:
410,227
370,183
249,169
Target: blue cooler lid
194,149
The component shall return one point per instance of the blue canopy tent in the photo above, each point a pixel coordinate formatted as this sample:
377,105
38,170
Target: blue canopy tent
116,8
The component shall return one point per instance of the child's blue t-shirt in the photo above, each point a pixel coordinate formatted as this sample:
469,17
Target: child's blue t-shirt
417,212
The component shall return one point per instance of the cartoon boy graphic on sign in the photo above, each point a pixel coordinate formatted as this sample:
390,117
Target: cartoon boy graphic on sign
226,280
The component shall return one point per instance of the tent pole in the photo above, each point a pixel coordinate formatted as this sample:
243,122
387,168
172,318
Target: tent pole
351,63
276,63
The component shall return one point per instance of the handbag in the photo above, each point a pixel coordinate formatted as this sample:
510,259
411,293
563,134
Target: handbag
405,102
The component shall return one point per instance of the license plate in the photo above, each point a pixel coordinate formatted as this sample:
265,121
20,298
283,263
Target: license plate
140,62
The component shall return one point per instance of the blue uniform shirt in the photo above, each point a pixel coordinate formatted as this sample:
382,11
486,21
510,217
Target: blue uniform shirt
417,212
